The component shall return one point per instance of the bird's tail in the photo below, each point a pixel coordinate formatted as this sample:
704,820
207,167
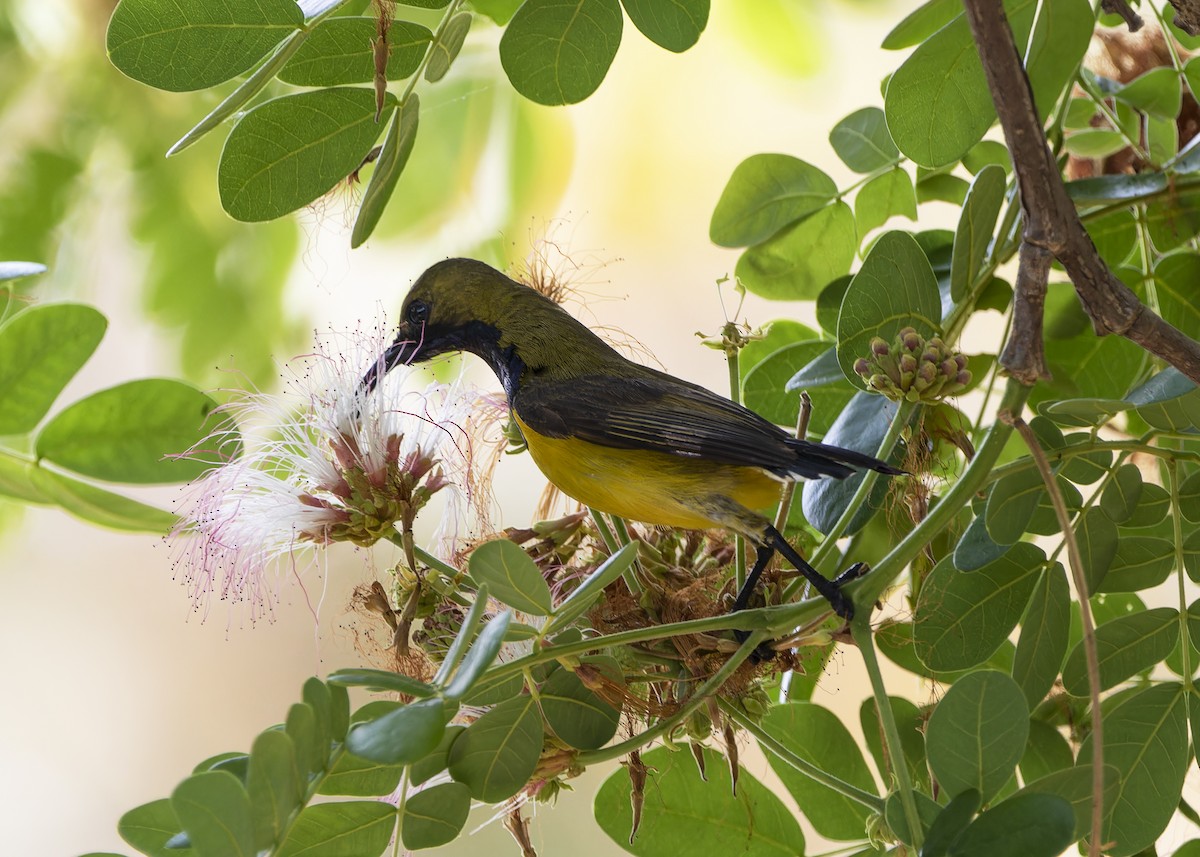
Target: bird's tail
814,460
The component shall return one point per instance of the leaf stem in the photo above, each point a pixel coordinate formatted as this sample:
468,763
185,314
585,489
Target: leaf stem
1185,646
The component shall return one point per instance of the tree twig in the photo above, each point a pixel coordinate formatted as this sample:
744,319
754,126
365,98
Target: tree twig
1120,7
1051,222
1085,614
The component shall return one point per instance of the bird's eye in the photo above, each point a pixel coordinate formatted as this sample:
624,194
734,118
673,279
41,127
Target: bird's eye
418,312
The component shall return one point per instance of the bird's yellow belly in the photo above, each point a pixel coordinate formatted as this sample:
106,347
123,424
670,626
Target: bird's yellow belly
654,487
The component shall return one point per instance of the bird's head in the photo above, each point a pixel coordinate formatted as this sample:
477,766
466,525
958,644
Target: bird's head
466,305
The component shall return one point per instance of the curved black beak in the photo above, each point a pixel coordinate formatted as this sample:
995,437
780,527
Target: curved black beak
402,350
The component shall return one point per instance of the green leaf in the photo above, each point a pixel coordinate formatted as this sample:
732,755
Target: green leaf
511,576
862,141
359,827
675,24
1145,738
435,816
987,152
149,828
1112,188
937,103
921,23
1162,139
434,763
802,259
287,152
1125,646
895,288
1175,278
682,808
500,11
480,656
214,811
977,733
1011,504
896,818
402,736
765,194
1095,143
188,46
355,776
317,696
883,197
397,146
134,432
466,633
1060,38
1141,562
98,506
1157,92
41,349
1047,752
764,388
1026,825
1096,535
1167,400
1114,234
1152,507
384,680
1189,498
497,754
1074,785
962,619
1044,634
816,735
823,370
339,51
941,187
578,716
17,270
861,426
273,783
975,228
557,52
950,823
910,724
301,727
593,586
447,47
976,548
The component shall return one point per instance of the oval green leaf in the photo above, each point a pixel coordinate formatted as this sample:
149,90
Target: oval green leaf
1025,825
287,152
496,755
188,46
402,736
766,193
578,716
435,816
1044,636
397,146
884,197
558,52
511,577
339,51
1011,504
975,227
214,811
273,784
480,657
862,141
149,827
1141,562
384,680
802,259
98,506
41,349
346,827
447,47
1125,646
674,25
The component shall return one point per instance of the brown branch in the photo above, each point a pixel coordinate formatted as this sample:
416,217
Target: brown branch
1051,221
1024,354
1187,16
1120,7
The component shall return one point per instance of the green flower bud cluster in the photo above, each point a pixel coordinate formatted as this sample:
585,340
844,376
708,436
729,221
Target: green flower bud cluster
913,368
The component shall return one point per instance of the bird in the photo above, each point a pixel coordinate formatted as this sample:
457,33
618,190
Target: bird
613,434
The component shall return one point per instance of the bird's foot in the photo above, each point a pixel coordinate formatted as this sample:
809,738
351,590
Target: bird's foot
854,572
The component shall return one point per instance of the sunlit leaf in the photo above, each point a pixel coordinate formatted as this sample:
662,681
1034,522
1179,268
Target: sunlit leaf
675,25
557,52
766,193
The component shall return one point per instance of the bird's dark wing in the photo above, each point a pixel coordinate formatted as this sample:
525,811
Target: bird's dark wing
661,413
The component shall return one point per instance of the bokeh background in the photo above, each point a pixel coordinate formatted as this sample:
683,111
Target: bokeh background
114,687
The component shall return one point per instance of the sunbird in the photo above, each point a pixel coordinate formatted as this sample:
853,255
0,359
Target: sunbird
615,435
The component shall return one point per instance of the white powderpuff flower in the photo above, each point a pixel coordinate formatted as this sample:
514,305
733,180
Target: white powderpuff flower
332,461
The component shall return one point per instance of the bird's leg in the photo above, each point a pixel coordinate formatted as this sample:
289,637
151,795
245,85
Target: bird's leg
763,555
830,589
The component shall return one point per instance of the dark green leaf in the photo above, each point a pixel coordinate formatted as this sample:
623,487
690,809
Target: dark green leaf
962,619
829,305
895,288
1189,498
1095,143
977,733
1157,92
823,369
511,576
397,146
910,724
98,506
1175,278
214,811
893,813
434,763
1145,738
883,197
435,816
353,775
584,595
289,151
1173,219
362,828
1152,507
480,656
134,432
339,51
975,227
950,823
1060,38
401,736
921,23
862,141
41,349
301,727
273,783
496,755
675,24
1012,503
558,53
765,388
1114,234
1096,535
765,194
579,717
188,46
149,828
1026,825
802,259
446,49
1046,752
681,808
1044,633
976,548
816,735
942,187
1124,646
1074,785
987,152
1141,562
382,680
